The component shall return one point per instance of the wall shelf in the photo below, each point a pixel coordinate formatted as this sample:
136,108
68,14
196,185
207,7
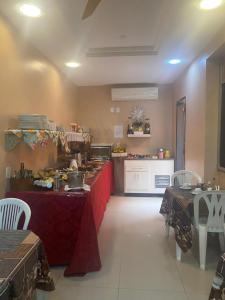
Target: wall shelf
139,135
34,137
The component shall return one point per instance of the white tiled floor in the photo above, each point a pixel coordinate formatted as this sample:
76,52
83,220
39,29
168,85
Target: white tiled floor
138,260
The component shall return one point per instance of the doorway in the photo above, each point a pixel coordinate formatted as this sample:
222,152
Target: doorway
180,134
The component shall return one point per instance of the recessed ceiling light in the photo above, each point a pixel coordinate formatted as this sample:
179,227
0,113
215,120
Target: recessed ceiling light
72,64
174,61
210,4
30,10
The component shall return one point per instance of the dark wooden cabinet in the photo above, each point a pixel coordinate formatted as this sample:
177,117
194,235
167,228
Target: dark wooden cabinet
118,172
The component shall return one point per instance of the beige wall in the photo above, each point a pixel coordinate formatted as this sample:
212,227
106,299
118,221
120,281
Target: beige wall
199,83
94,105
192,85
212,113
214,68
29,84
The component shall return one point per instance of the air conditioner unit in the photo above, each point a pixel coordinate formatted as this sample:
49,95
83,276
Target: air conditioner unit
134,93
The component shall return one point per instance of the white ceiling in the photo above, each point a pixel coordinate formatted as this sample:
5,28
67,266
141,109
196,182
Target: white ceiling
176,28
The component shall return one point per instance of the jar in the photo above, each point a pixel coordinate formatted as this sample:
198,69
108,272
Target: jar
167,154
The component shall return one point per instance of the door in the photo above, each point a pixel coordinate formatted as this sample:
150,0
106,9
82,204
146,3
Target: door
161,172
180,134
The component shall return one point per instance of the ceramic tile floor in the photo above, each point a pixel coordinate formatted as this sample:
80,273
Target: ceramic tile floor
138,260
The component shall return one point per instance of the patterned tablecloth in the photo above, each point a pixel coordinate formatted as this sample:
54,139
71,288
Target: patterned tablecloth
218,286
23,265
177,206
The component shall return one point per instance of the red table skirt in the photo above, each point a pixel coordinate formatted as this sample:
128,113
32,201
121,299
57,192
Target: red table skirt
68,222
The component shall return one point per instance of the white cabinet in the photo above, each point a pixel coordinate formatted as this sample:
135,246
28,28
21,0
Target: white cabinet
147,176
136,177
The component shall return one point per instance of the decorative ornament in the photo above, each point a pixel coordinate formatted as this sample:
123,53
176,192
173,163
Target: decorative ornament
137,114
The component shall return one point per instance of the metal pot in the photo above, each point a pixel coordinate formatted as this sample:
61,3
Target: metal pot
76,179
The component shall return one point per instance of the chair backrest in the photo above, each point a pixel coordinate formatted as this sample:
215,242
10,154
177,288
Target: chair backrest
215,203
185,176
11,210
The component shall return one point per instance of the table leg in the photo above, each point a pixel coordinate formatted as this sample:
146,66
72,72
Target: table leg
178,252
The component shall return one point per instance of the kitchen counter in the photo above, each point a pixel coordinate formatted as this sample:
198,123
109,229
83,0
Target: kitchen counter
148,158
146,175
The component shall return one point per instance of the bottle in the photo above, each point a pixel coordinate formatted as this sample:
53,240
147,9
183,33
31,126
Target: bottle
214,183
161,153
22,171
130,127
209,186
147,129
56,185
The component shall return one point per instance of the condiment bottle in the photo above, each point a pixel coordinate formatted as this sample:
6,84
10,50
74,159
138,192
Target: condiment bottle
22,171
56,181
161,153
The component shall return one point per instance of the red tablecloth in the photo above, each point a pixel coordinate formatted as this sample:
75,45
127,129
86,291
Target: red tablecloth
68,222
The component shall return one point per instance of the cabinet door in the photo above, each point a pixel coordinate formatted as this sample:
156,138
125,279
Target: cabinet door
136,182
161,172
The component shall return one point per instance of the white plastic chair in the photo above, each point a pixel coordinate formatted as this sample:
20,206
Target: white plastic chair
214,222
11,210
185,176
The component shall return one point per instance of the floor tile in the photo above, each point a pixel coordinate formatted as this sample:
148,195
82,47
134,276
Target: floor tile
197,296
107,277
130,294
138,260
194,279
57,273
83,293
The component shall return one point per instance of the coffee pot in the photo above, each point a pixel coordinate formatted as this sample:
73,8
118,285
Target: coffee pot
76,179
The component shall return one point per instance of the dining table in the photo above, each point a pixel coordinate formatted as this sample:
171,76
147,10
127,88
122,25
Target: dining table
177,207
218,285
23,265
68,222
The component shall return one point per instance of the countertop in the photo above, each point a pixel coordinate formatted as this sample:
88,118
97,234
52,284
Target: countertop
148,158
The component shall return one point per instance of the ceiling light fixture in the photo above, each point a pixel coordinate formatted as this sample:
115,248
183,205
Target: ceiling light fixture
210,4
72,64
30,10
174,61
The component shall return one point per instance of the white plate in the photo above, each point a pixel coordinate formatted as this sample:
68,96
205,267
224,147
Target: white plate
186,187
196,192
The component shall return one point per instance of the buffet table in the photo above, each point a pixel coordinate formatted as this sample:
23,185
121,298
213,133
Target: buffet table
23,266
68,222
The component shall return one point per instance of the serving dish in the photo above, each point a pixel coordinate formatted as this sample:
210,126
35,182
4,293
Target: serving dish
196,192
186,187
